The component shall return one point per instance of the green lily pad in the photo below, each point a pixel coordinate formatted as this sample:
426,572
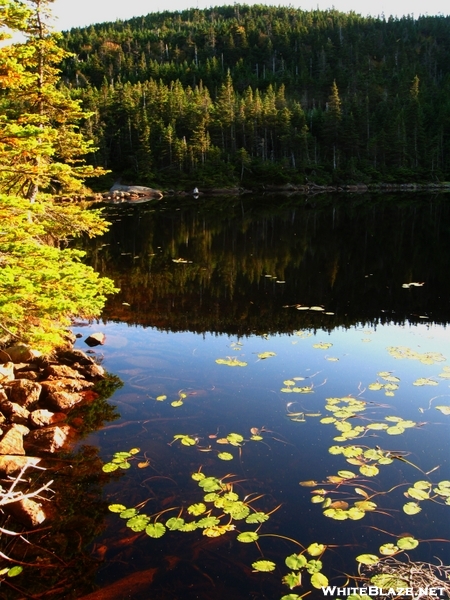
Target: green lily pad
117,508
411,508
316,549
257,517
368,559
225,456
175,523
318,580
247,537
264,565
196,509
388,549
296,561
155,530
292,580
407,543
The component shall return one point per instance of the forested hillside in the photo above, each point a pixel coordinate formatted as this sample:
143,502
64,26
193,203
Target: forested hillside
256,93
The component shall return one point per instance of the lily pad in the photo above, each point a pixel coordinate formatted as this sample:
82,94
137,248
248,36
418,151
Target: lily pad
411,508
368,559
296,561
155,530
264,565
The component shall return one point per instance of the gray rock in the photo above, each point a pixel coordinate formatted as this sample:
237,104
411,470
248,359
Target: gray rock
61,372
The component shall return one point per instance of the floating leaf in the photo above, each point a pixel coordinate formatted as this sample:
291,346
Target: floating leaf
110,467
418,494
407,543
355,514
264,355
327,420
14,571
247,537
138,523
292,580
217,530
175,523
318,580
375,386
377,426
335,450
316,549
313,566
368,559
235,439
425,381
198,476
323,345
336,513
310,483
117,508
177,403
196,509
161,398
231,362
346,474
295,561
257,517
291,597
369,470
395,430
208,522
445,409
264,565
155,530
389,549
366,505
317,499
225,456
128,513
387,581
411,508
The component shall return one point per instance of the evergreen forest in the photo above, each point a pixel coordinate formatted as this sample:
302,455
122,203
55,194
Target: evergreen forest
242,94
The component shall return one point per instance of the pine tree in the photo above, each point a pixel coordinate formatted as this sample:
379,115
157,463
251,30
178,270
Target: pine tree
41,147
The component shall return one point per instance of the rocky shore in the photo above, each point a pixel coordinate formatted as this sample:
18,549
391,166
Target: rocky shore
37,395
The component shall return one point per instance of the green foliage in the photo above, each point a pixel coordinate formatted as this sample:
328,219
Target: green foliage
42,287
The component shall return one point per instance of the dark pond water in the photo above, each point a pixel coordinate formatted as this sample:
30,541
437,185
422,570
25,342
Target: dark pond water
303,302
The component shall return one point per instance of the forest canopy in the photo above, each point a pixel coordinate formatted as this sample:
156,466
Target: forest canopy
269,94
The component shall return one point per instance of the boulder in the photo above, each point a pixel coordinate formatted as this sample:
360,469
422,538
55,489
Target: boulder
20,353
15,412
73,356
61,372
50,439
12,441
95,339
43,417
139,190
24,392
92,372
63,401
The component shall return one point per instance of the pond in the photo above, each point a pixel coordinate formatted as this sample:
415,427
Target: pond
285,403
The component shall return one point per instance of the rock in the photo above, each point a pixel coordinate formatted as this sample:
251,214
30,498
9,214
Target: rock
63,401
27,511
75,356
61,372
15,412
140,190
12,441
11,465
7,372
66,384
20,353
50,439
43,417
24,392
3,396
95,339
92,372
30,375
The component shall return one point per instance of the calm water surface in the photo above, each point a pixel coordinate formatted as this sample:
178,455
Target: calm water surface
207,283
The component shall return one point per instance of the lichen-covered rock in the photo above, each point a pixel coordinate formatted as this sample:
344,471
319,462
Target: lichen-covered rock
24,392
49,439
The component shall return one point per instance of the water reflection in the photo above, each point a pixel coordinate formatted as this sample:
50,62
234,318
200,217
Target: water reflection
232,268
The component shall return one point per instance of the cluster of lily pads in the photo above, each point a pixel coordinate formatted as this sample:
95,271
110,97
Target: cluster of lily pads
424,490
232,439
120,460
175,403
